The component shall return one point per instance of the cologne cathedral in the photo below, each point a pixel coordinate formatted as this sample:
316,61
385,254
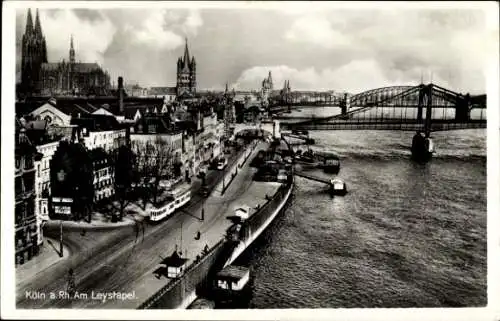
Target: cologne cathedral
39,77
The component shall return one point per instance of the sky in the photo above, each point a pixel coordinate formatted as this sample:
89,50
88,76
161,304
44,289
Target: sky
315,49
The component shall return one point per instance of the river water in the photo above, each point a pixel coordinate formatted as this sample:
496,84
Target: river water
406,234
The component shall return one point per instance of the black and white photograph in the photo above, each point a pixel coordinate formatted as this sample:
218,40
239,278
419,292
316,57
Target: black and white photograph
260,156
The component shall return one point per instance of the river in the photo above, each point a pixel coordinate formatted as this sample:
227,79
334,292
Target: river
406,234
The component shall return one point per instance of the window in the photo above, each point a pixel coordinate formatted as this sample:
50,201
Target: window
38,170
28,162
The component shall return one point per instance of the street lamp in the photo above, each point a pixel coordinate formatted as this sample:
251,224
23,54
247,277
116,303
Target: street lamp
61,249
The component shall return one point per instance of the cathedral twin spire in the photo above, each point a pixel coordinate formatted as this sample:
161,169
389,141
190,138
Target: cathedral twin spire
37,29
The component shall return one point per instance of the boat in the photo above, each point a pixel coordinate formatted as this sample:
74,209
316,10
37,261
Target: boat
308,159
231,287
331,164
422,147
202,303
338,187
176,198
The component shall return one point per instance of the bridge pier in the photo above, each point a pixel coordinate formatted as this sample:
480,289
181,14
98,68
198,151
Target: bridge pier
462,113
344,105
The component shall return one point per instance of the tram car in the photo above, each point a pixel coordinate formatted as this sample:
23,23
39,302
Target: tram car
177,198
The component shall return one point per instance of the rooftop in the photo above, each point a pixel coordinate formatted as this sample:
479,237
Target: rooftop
233,273
174,260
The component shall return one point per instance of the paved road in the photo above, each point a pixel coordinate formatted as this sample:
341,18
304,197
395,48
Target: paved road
111,260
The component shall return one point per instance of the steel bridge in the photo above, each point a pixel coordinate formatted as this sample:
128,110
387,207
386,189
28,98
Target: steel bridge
410,108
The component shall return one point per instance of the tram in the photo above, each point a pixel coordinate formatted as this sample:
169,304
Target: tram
177,198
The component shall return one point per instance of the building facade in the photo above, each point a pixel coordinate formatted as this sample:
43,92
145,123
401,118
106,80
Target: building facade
42,184
26,229
72,182
38,76
186,75
103,172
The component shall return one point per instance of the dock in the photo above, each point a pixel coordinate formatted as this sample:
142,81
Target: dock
313,178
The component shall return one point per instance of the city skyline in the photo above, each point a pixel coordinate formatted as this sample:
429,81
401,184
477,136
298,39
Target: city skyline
344,50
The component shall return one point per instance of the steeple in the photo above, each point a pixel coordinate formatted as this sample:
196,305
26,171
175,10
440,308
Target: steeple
29,23
71,51
38,27
186,54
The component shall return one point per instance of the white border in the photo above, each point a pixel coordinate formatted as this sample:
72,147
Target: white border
493,165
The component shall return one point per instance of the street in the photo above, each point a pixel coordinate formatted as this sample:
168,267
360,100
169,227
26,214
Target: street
115,260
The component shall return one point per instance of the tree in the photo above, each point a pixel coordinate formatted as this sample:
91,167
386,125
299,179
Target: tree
154,163
124,161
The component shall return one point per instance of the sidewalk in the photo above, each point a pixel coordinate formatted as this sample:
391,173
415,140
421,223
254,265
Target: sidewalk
98,221
47,257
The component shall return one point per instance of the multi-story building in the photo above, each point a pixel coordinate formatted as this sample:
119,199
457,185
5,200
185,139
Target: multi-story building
103,172
209,139
26,229
157,131
188,154
71,182
101,131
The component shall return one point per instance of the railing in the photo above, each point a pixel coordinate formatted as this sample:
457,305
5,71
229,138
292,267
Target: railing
406,125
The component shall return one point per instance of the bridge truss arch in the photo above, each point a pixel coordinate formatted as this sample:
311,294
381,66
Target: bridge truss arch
378,95
421,105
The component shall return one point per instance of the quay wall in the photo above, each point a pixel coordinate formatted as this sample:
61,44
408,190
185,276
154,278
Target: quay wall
180,293
261,219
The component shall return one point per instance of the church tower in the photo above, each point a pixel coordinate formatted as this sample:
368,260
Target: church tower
186,74
71,69
71,51
34,54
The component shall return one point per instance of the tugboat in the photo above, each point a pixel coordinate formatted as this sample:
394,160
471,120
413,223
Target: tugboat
232,287
338,187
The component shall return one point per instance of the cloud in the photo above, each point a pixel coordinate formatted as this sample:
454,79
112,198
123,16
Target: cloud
192,23
354,77
153,33
316,30
91,36
400,45
316,48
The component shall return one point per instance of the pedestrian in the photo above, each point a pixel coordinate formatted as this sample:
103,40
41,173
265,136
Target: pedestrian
136,228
